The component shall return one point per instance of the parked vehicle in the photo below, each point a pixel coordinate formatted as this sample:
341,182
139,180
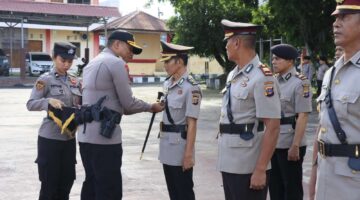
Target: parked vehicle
37,63
4,64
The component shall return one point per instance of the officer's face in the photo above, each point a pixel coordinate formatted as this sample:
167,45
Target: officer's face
347,30
124,50
62,64
172,66
280,65
231,46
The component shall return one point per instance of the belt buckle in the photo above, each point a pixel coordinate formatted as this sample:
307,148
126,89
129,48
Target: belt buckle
321,148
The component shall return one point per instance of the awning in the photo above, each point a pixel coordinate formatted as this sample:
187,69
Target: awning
54,13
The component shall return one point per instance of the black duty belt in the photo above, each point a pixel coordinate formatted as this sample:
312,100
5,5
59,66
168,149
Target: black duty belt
338,150
173,128
240,128
288,120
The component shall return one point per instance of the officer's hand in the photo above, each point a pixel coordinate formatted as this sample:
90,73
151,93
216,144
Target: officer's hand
258,180
157,107
188,162
293,153
56,103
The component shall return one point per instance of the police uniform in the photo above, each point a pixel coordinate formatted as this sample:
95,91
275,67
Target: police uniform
56,157
338,172
182,100
320,75
307,69
105,77
295,90
251,94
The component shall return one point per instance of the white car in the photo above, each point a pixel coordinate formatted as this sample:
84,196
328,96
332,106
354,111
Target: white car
37,63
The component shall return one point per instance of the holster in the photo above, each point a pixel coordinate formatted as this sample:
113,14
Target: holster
108,122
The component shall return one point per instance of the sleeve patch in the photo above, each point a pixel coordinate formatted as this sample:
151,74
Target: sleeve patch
306,90
195,97
269,91
40,85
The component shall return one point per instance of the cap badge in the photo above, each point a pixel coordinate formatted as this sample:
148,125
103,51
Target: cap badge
71,51
339,1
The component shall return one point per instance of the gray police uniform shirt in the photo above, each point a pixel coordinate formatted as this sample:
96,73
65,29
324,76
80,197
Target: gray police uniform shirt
184,99
321,72
335,180
295,97
253,96
307,70
106,75
51,85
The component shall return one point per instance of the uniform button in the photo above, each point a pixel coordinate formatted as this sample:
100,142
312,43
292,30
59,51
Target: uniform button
289,130
354,171
337,81
344,98
323,129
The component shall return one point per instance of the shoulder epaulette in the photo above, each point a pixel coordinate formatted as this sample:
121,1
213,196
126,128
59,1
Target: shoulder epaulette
265,69
192,80
301,76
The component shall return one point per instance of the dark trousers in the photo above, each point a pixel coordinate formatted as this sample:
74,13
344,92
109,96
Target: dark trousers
56,165
179,183
237,187
102,164
286,176
319,85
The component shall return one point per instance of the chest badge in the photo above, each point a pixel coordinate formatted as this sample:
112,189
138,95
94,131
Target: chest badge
179,92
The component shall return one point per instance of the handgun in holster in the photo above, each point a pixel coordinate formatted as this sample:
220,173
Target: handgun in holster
108,122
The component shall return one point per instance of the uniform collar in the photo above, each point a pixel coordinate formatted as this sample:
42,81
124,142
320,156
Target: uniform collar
108,50
248,68
179,82
355,60
287,76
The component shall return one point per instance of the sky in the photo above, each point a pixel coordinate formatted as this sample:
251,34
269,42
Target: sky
127,6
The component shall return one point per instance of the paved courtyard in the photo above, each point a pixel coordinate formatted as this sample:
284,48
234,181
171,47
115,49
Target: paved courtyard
142,179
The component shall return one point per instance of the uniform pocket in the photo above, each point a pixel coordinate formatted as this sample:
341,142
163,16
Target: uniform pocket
285,104
234,141
241,94
341,168
175,138
175,104
345,104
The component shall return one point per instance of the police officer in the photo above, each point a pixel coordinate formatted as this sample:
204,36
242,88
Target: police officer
320,73
250,103
286,163
178,127
56,151
105,78
338,163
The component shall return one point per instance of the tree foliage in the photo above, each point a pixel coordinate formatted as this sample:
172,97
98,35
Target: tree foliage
301,23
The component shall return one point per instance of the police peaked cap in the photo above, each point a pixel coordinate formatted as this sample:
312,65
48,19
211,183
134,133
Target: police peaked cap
347,7
127,38
170,50
65,49
285,51
238,28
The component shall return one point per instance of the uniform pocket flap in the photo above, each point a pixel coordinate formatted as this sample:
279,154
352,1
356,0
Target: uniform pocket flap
175,104
56,91
346,98
243,94
285,98
174,138
235,141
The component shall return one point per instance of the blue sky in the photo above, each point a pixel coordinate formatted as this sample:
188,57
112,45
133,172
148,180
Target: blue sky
126,6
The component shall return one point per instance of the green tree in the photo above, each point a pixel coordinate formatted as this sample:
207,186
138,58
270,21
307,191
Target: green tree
197,24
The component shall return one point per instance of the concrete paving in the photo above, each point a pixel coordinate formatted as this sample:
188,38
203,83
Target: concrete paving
142,179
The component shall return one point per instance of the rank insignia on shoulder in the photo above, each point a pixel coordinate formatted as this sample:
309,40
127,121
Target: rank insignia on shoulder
265,69
269,91
301,76
192,80
306,90
40,85
195,97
